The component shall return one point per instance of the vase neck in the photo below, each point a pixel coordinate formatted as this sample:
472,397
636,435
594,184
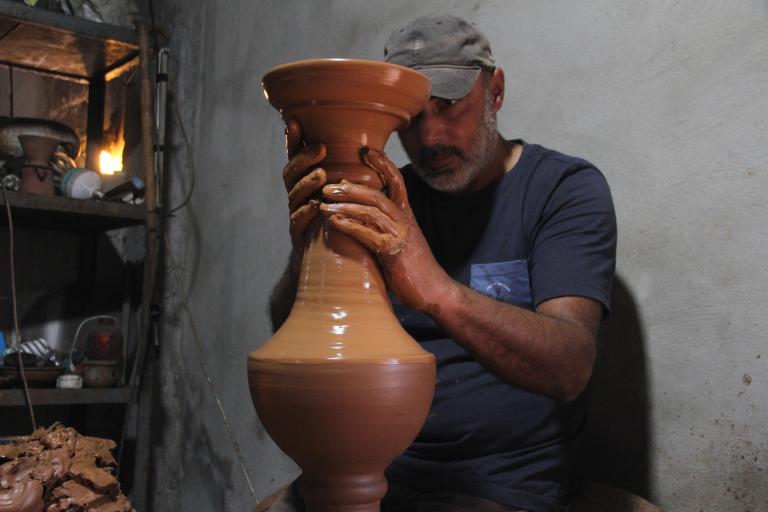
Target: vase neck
338,271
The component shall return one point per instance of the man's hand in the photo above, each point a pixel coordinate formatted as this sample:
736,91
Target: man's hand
386,226
550,351
301,185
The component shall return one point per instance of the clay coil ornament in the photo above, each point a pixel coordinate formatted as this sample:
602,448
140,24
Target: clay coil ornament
341,387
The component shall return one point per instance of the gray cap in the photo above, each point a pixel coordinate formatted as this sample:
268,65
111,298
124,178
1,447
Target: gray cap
450,51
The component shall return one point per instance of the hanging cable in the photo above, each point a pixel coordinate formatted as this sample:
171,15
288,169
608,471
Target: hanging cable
162,232
10,92
187,154
173,267
16,338
199,352
77,334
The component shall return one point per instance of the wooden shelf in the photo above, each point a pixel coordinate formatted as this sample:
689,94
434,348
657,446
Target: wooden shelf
53,396
57,212
54,43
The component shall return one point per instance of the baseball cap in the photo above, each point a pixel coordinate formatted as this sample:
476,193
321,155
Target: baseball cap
450,51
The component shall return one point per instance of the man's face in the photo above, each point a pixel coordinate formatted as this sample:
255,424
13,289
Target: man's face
451,141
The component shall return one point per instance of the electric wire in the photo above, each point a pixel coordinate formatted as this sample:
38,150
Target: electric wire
199,352
77,334
190,163
173,267
10,92
16,335
178,282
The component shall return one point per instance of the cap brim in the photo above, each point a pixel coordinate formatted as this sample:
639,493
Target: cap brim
452,82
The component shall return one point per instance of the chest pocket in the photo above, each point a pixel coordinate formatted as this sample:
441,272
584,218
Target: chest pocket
506,281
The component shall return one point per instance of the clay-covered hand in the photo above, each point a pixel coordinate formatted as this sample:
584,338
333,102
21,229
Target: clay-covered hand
301,184
385,224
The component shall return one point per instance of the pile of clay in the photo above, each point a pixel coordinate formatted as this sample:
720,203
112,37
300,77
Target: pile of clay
58,470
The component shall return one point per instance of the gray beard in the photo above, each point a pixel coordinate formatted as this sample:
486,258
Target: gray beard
480,154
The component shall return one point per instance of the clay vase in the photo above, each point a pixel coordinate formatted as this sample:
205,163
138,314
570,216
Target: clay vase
37,174
341,387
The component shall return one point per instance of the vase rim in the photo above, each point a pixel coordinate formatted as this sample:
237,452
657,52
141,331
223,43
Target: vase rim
338,62
297,88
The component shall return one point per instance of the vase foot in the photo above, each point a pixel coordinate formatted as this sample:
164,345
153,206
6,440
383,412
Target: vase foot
342,493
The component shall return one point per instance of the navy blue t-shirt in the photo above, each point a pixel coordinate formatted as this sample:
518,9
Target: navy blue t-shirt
546,229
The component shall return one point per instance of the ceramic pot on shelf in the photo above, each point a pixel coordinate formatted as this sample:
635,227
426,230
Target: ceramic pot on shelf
341,387
37,173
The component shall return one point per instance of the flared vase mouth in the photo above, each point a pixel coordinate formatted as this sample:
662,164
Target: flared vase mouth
323,82
38,149
335,63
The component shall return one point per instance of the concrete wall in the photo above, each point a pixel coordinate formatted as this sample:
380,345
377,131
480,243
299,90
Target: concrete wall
669,99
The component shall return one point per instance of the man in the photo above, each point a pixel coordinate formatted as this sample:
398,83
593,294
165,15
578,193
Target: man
500,263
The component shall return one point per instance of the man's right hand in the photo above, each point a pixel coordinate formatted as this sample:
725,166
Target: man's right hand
301,186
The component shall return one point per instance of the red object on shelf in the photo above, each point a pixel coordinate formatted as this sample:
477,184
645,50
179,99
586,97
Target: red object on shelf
104,341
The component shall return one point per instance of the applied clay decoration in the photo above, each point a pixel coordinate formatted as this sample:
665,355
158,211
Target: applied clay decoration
37,173
341,387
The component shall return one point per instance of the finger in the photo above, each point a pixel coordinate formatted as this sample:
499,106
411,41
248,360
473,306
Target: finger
368,215
305,188
292,137
389,174
374,241
302,217
348,192
298,165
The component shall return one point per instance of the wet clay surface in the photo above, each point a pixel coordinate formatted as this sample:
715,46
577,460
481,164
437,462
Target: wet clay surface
341,311
59,470
341,387
347,104
342,423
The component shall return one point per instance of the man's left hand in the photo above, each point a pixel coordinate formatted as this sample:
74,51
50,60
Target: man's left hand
385,224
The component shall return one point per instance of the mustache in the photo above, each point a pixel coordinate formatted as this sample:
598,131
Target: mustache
427,153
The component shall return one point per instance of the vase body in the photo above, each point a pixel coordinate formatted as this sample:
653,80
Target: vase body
341,387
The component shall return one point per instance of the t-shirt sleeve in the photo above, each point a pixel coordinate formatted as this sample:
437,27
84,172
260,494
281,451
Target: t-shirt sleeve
573,246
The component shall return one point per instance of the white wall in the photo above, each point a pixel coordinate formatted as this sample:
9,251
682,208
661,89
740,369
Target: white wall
669,99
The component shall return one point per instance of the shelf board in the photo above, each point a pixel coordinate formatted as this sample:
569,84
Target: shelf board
57,212
53,396
51,42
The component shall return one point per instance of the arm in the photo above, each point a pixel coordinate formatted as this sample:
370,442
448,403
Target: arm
550,351
301,185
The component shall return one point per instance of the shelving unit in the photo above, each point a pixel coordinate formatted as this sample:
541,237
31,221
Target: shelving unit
71,46
81,51
37,211
67,48
53,396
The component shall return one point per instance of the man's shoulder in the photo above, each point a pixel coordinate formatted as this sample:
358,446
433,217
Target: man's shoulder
542,159
546,169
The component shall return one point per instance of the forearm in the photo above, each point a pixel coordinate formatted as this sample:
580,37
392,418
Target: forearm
544,351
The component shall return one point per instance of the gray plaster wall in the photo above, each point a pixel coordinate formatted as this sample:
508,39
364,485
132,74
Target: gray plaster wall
668,98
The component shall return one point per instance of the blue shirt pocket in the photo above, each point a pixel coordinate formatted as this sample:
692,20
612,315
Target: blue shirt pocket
506,281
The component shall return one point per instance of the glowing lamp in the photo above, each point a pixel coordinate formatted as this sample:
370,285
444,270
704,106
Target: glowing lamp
110,163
